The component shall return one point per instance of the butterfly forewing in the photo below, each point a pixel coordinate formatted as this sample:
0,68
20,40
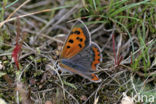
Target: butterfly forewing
78,39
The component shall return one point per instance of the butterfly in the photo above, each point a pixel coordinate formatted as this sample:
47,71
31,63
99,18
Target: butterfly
79,54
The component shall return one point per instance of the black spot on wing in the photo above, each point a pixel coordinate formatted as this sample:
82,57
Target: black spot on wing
81,39
68,46
78,38
80,45
77,32
70,41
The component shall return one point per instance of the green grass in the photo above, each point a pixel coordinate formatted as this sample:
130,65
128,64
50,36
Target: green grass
3,9
115,14
7,6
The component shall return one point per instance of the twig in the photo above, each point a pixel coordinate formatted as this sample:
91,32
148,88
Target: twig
113,40
21,16
53,39
14,12
38,4
59,78
52,21
46,10
32,16
64,17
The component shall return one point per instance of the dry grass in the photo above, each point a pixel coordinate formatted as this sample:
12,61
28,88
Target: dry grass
125,31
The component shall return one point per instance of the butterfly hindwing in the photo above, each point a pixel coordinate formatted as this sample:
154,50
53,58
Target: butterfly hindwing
78,39
97,56
89,57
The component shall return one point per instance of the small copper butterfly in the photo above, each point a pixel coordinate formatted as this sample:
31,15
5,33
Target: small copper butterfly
79,54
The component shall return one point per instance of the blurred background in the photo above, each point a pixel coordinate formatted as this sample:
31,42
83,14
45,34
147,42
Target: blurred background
32,33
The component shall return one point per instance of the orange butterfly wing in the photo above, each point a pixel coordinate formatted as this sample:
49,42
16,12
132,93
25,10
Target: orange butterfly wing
78,39
97,56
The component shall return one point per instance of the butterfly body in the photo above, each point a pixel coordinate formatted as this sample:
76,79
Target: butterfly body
80,55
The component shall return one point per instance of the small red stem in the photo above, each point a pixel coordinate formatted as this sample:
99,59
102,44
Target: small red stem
17,49
15,52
